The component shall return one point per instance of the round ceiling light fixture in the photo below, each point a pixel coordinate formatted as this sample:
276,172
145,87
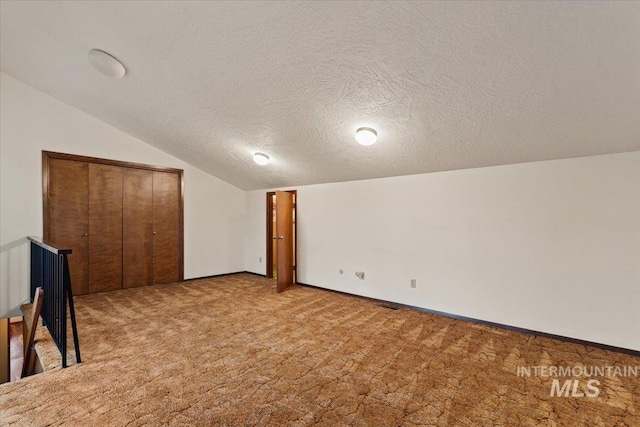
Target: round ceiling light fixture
106,64
261,159
366,136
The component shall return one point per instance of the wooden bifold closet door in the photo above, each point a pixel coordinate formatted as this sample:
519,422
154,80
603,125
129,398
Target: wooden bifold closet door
137,224
166,227
123,221
67,215
105,228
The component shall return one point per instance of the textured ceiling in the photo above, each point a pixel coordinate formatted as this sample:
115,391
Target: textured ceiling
448,85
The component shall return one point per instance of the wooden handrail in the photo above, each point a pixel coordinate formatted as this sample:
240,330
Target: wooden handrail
51,247
29,359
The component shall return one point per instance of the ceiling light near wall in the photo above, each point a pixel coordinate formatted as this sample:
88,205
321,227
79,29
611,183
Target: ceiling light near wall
106,64
261,159
366,136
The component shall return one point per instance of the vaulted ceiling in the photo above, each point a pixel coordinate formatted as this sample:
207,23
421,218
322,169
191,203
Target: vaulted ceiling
447,85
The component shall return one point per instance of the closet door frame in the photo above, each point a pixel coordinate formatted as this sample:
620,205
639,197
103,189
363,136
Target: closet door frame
46,155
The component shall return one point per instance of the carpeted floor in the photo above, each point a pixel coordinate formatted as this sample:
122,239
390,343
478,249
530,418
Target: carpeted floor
229,351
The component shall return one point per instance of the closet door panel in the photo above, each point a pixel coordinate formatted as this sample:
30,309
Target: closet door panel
68,220
105,228
137,226
167,222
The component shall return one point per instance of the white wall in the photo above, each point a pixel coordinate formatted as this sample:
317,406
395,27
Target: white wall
31,121
550,246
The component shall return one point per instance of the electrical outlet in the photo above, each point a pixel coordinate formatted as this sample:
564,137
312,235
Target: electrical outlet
260,259
413,283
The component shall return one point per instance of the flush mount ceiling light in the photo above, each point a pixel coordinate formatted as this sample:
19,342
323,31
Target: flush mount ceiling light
261,159
366,136
106,64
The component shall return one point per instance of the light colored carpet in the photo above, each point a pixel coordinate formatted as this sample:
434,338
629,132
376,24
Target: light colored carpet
229,351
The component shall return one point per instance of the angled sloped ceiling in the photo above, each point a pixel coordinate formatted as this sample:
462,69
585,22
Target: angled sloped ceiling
448,85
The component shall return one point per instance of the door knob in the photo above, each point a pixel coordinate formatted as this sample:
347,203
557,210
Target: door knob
85,235
154,233
280,237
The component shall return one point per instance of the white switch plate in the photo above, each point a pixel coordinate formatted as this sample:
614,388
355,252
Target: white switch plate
413,283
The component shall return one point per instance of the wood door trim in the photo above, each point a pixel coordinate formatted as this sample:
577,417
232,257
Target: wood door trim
78,158
295,235
45,196
46,155
181,226
269,216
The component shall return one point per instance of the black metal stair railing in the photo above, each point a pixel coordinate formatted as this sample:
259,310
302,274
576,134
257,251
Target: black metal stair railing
50,270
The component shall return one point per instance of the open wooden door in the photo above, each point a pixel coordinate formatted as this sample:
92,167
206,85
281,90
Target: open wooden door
285,238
